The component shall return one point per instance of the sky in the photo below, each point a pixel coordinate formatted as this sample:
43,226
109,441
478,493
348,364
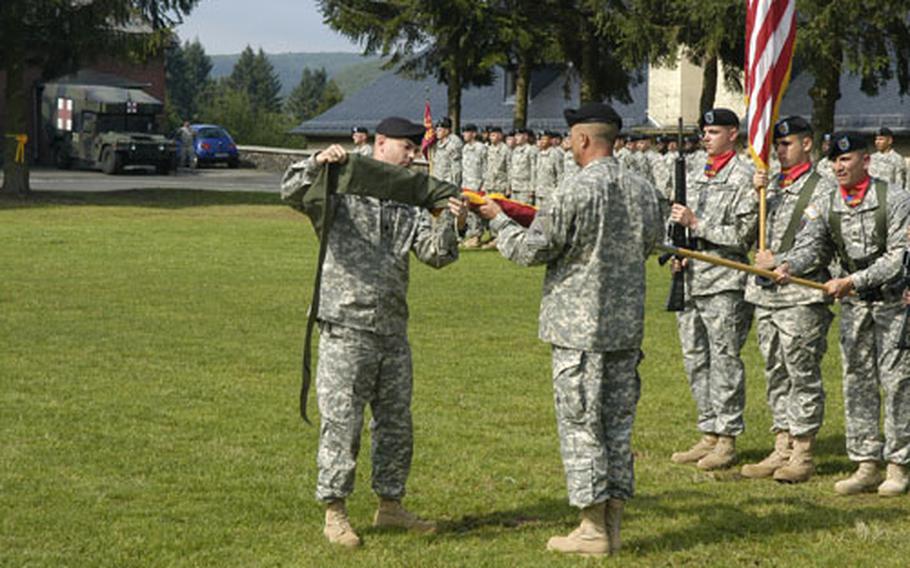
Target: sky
277,26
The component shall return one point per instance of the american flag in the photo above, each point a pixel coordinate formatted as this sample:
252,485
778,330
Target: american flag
770,36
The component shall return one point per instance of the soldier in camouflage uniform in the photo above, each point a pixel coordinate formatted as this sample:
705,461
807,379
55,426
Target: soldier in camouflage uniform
496,167
548,169
824,166
364,356
657,166
864,225
886,164
713,327
635,160
360,134
792,321
446,157
473,163
521,168
594,234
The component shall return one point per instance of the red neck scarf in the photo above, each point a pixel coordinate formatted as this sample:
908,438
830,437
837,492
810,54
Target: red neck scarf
716,163
853,196
790,175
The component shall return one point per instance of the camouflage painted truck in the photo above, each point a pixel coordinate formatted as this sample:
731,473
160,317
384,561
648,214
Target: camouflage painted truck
99,126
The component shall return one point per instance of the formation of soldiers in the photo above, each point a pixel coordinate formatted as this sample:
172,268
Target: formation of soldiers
841,222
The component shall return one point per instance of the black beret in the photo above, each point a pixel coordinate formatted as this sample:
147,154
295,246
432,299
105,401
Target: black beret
444,122
494,129
360,129
511,133
592,113
469,128
523,131
885,131
826,136
693,138
844,142
397,127
719,117
542,133
791,125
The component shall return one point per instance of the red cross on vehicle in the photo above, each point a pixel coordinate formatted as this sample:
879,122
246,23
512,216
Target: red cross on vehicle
65,114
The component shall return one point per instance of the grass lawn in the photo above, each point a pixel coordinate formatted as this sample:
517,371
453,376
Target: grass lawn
149,374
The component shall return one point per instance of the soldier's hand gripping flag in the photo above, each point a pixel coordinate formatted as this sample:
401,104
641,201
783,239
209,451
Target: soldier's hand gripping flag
523,213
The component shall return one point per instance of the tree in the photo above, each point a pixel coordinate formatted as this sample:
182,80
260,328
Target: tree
255,75
452,40
56,37
188,78
871,39
315,94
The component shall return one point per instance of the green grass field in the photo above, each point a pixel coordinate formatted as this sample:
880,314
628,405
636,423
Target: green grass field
149,374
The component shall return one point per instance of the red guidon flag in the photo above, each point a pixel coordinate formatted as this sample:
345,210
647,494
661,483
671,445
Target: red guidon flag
523,213
770,37
429,136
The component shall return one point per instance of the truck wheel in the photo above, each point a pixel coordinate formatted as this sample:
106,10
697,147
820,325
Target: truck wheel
111,162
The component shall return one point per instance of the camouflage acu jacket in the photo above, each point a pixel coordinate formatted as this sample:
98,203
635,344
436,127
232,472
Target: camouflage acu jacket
496,170
594,234
446,164
473,158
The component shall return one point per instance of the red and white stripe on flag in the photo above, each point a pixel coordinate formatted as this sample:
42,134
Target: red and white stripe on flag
770,37
64,114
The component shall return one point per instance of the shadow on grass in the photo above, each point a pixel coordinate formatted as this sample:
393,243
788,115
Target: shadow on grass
717,520
547,511
156,198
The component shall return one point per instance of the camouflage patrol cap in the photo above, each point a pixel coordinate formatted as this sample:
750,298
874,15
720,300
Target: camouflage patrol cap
845,142
592,113
397,127
718,117
791,125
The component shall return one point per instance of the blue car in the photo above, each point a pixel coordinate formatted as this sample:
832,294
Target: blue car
211,144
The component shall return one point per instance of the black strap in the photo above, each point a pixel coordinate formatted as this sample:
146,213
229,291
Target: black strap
849,264
786,242
325,225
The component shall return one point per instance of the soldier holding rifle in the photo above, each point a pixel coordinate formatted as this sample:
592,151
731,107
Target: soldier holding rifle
721,218
864,225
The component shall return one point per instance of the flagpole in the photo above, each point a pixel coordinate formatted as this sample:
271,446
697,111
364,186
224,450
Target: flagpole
762,215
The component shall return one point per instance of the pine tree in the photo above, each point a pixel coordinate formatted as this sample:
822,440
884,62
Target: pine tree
313,95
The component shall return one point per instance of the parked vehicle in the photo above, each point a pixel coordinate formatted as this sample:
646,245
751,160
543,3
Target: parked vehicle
100,126
211,145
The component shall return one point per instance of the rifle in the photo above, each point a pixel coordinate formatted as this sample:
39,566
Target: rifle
903,342
678,234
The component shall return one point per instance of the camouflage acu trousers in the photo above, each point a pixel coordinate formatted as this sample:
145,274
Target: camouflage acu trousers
475,225
873,363
355,368
712,330
596,395
793,341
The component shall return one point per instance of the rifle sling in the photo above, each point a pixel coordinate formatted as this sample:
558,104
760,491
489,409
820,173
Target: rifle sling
786,242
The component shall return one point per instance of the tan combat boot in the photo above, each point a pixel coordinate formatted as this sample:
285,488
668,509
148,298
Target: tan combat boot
723,454
337,526
612,521
589,538
866,478
896,482
696,452
391,514
800,467
775,460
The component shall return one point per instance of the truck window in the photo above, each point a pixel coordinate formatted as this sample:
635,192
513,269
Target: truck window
88,122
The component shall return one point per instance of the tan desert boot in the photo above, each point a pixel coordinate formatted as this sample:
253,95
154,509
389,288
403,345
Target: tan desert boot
896,481
391,514
866,478
775,460
800,467
723,454
696,452
589,538
612,522
337,526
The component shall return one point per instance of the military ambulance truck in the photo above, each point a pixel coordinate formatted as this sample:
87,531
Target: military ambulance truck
98,126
